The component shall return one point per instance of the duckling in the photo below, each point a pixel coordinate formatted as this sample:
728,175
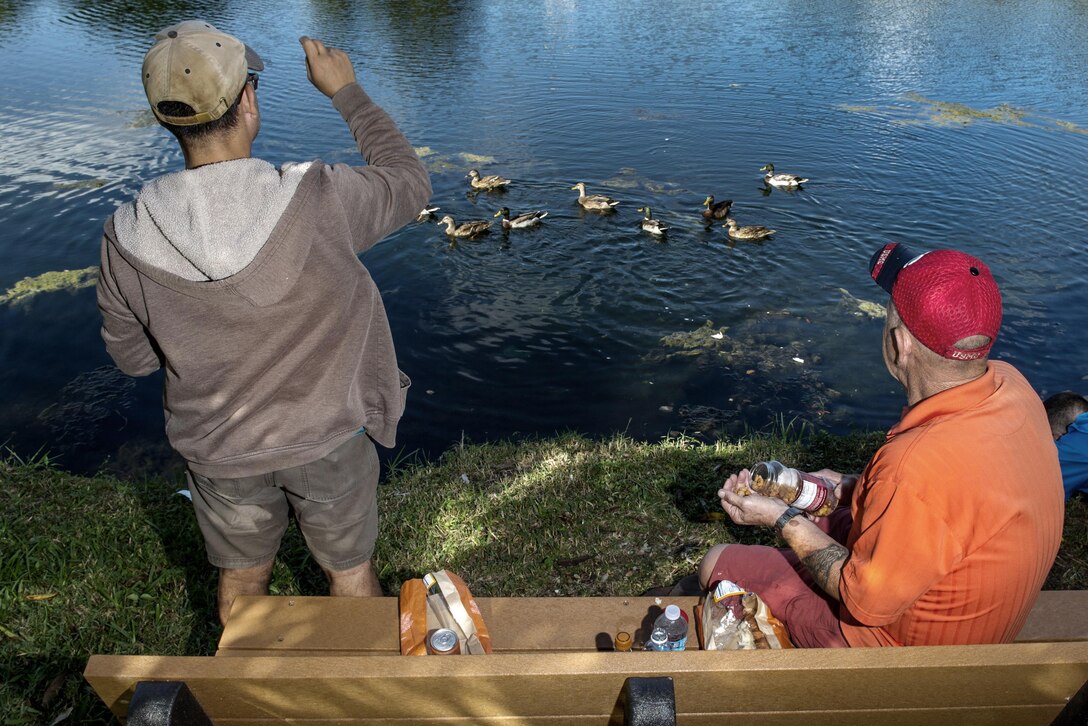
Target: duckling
596,202
716,211
486,183
465,229
521,221
751,233
426,214
651,225
782,181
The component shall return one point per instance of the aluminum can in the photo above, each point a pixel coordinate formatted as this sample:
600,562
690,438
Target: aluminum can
443,641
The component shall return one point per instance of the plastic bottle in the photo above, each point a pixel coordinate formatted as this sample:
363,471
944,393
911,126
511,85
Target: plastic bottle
674,626
622,642
797,488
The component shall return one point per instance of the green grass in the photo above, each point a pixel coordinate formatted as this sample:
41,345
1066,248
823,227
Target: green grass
102,565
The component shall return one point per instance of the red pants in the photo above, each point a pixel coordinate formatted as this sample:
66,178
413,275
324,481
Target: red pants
778,577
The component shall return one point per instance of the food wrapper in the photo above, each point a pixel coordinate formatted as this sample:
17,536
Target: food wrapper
733,618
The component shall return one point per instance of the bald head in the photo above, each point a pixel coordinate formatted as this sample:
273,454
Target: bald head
922,371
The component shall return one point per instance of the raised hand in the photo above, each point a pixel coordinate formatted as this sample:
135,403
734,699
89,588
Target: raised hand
329,69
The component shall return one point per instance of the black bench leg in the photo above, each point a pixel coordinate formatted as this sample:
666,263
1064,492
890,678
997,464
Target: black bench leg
1075,712
649,702
165,703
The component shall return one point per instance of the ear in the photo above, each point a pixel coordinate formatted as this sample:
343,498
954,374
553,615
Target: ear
902,345
248,102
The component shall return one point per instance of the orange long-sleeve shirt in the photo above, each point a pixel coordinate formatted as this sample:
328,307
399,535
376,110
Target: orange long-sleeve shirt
957,519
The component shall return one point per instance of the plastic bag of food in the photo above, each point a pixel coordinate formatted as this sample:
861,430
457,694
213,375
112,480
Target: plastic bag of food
736,619
440,601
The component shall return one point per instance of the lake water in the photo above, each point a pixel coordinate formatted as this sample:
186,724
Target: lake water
960,124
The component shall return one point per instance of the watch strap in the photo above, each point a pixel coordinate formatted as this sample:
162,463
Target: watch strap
787,515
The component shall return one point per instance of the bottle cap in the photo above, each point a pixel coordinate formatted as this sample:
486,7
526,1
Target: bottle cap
623,640
672,612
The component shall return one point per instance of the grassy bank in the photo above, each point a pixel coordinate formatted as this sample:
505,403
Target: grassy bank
100,565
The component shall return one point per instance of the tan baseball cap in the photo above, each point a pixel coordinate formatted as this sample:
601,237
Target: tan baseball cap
195,64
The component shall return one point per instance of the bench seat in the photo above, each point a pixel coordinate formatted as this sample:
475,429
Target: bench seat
325,660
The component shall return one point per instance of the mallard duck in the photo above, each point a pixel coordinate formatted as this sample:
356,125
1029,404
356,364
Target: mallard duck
651,225
597,202
426,214
783,181
486,183
751,232
521,221
465,229
716,211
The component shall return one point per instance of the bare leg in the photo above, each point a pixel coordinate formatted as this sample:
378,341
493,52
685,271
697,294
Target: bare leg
358,581
246,581
706,566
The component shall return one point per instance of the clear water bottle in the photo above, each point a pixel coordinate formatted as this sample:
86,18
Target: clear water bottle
674,626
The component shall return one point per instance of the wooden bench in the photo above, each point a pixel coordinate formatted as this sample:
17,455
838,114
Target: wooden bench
323,660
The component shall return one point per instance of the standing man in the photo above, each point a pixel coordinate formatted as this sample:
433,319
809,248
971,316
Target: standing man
242,282
956,520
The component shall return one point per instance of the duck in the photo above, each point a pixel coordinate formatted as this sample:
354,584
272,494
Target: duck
521,221
651,225
426,214
751,232
486,183
596,202
465,229
716,211
782,181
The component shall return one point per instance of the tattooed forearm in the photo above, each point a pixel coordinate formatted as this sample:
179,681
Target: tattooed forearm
825,565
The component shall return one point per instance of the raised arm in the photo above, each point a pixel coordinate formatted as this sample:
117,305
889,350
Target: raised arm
387,193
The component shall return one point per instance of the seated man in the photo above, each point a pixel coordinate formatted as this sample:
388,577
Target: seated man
1068,414
956,520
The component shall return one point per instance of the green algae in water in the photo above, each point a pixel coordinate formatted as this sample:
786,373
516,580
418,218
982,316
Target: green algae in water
860,307
142,120
82,184
462,161
52,281
1071,127
629,178
950,113
764,372
857,109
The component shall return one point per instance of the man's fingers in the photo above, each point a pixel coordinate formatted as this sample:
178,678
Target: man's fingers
732,498
312,46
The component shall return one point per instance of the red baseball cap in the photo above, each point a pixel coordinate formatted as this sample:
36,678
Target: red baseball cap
942,296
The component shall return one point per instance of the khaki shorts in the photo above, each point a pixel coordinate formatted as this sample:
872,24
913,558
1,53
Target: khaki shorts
335,500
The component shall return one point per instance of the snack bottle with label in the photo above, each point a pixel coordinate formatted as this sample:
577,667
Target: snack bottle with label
797,488
670,630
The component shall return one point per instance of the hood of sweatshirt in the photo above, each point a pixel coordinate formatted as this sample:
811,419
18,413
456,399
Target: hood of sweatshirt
208,223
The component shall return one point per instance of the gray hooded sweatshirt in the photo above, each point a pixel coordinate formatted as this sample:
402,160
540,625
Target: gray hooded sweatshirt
243,282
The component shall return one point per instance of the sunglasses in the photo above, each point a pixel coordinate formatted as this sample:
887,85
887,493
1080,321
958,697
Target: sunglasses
254,79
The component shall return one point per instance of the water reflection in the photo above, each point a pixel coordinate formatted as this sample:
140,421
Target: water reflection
141,19
438,33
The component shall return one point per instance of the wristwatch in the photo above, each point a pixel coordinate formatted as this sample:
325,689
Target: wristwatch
787,515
